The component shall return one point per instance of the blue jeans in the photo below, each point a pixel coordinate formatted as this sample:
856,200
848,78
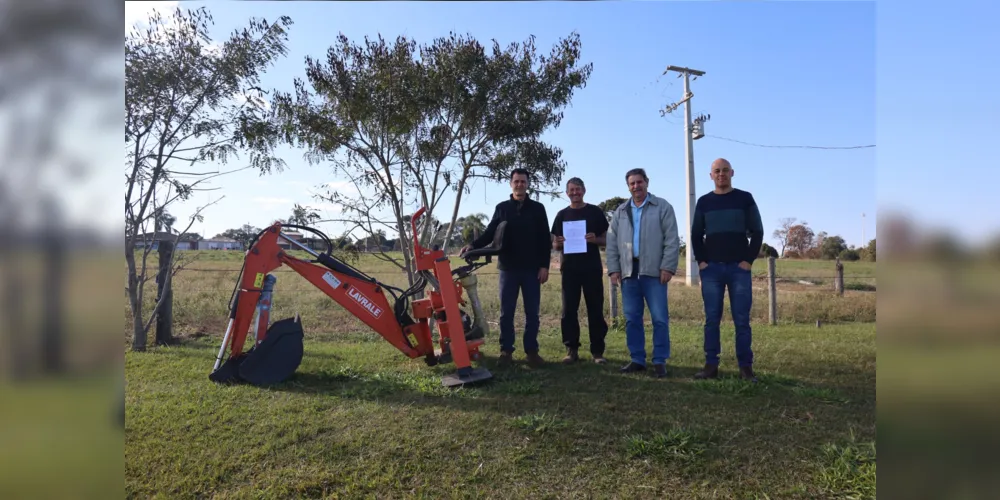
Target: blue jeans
646,289
511,284
715,279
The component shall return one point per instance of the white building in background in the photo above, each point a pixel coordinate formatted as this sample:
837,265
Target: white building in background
219,243
154,239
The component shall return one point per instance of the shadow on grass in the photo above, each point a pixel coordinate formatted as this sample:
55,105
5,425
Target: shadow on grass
589,395
581,384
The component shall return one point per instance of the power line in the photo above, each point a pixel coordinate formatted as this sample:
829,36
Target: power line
786,147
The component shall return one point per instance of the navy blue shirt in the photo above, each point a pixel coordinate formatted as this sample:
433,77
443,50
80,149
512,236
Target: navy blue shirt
727,228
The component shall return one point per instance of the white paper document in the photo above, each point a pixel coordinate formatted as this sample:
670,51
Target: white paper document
575,233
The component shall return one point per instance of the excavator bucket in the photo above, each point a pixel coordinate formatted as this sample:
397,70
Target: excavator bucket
466,377
277,357
272,361
228,372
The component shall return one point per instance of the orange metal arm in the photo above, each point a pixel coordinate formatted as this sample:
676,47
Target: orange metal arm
361,295
403,324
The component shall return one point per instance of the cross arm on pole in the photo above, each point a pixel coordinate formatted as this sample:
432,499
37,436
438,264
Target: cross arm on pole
682,70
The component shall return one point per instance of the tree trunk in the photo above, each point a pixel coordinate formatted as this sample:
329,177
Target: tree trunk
164,297
425,233
454,213
401,227
404,245
138,332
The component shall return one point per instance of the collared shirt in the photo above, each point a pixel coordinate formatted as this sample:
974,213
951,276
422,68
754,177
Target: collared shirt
636,216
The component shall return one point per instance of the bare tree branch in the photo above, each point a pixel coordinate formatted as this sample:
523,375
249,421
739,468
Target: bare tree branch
180,109
196,216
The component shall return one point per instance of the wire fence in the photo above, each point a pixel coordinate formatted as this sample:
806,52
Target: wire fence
840,281
553,271
202,289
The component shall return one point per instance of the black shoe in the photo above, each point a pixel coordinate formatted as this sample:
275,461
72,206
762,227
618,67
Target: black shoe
746,373
632,368
710,371
572,356
659,371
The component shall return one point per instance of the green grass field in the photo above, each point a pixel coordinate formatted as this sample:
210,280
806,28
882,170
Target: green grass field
359,419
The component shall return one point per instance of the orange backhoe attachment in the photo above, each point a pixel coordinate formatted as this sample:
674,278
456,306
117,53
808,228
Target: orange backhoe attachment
277,349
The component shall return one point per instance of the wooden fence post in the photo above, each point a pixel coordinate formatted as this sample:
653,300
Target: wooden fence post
772,292
839,280
613,297
165,316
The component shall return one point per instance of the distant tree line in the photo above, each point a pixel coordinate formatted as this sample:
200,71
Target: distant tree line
797,240
346,245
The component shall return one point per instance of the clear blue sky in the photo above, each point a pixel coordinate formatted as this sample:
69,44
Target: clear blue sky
780,74
938,113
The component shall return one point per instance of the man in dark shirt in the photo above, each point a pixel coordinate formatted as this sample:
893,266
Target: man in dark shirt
523,263
724,221
582,272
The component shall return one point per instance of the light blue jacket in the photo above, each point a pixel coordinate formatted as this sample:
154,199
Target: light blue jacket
659,242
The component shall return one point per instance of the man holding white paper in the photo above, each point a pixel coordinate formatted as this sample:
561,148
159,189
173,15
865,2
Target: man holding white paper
579,232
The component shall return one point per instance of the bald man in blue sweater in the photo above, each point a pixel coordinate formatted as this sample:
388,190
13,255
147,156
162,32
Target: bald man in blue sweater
726,235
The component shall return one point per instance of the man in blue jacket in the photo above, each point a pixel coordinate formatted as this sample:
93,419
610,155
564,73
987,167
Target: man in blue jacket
523,263
643,249
726,235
